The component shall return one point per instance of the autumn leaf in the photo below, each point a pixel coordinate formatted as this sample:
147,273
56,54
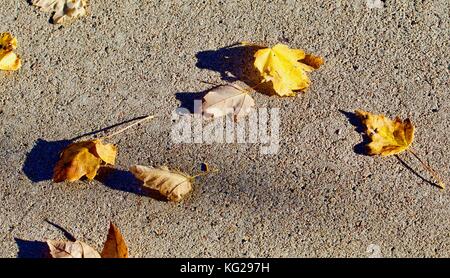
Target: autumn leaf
83,159
8,59
71,249
287,68
227,99
391,137
388,137
63,10
313,61
174,185
115,246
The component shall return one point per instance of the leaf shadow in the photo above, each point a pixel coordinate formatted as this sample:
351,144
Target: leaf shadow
354,120
404,164
125,181
32,249
234,63
38,165
66,233
190,100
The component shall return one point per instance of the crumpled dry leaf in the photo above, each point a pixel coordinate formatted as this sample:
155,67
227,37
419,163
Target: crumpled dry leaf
286,68
83,159
227,99
115,246
387,136
313,61
173,185
8,59
64,10
71,249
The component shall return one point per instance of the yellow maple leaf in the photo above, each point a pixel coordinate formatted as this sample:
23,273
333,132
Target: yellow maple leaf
8,59
287,68
83,159
388,137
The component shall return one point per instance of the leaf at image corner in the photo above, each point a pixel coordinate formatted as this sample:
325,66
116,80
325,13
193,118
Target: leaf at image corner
71,249
388,137
115,246
63,10
173,185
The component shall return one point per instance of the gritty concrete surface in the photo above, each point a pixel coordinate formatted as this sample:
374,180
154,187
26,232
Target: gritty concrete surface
317,197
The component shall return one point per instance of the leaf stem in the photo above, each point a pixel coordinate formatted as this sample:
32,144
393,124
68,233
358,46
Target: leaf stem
205,173
127,127
440,183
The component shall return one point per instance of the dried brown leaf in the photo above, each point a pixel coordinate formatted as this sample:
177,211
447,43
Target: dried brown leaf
173,185
115,246
71,249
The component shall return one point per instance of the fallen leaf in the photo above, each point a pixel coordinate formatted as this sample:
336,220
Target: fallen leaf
63,10
174,185
106,152
286,68
313,61
83,159
8,59
388,137
7,42
227,99
71,249
115,246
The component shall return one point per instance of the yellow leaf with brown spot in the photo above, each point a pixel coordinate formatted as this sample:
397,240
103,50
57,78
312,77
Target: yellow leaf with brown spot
8,59
83,159
388,137
115,246
7,42
286,68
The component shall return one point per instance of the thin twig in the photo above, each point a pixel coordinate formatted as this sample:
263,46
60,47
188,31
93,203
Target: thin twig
245,90
428,167
211,83
244,43
127,127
